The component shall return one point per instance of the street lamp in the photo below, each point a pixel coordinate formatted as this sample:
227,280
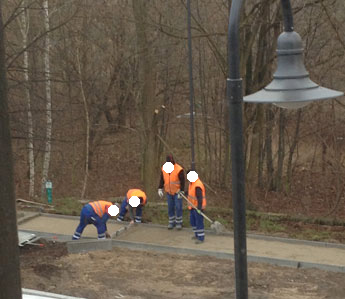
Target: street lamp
291,88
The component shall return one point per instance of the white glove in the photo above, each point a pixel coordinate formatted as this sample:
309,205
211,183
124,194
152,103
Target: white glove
179,194
160,193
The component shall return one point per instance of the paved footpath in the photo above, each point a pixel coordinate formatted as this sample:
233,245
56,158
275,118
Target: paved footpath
279,251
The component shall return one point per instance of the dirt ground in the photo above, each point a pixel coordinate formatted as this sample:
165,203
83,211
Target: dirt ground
123,273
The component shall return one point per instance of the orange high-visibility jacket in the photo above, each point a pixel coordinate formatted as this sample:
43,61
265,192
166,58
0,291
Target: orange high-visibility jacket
100,207
138,193
192,194
171,180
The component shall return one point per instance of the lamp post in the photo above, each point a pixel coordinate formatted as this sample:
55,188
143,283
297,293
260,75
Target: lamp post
291,88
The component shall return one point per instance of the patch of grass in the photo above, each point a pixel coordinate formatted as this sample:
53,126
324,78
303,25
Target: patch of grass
271,226
156,215
67,206
313,235
251,223
297,218
186,221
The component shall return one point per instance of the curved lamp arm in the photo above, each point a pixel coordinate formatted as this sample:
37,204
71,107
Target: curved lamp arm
233,40
233,33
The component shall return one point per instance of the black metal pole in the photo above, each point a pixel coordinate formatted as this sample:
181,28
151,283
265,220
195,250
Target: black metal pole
287,15
191,86
235,100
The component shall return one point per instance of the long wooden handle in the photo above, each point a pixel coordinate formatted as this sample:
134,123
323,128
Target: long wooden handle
196,208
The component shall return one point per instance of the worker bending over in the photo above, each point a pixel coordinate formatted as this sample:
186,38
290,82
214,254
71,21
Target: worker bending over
126,205
95,213
174,183
197,196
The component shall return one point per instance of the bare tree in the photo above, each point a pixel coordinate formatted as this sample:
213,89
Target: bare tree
47,152
147,101
24,28
9,251
87,129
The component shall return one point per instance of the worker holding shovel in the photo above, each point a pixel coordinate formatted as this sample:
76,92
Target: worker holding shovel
196,205
173,181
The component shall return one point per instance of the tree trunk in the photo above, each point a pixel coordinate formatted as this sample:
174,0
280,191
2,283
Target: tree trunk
87,120
10,284
254,155
46,159
281,150
268,148
227,147
259,77
146,103
24,28
292,149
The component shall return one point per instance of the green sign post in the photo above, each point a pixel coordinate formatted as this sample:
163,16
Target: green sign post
49,187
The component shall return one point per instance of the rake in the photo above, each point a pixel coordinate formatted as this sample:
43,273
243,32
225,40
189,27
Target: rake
215,225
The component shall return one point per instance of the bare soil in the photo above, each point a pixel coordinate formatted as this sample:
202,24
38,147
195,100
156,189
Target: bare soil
123,273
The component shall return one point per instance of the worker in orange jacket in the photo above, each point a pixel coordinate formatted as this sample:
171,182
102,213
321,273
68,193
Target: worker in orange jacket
126,205
197,196
173,183
95,213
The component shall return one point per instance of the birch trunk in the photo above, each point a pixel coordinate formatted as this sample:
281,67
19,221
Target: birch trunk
46,159
24,28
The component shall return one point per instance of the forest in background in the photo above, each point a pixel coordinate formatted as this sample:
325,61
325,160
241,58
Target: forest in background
95,87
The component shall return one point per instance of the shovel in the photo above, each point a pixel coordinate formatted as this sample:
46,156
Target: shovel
215,225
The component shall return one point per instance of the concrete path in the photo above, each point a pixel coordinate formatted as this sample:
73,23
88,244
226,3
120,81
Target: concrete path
62,225
279,251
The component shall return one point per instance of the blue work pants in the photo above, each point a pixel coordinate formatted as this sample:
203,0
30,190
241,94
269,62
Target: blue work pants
174,209
88,216
123,211
197,223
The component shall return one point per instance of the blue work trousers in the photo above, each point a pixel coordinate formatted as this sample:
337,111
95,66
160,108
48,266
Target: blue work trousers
174,209
197,223
123,211
88,216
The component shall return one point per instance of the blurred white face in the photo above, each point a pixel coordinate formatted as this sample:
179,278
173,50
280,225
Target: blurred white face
113,210
192,176
134,201
168,167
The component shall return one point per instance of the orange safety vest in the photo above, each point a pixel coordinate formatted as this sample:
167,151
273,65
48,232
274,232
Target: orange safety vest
192,194
171,181
138,193
100,207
